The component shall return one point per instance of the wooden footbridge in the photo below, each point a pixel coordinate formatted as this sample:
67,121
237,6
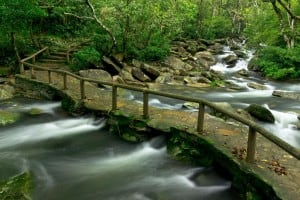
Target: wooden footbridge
261,146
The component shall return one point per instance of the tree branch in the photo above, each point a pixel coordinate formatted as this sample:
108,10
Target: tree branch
288,10
90,5
79,17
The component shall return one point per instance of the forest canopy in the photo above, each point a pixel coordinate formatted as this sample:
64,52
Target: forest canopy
144,29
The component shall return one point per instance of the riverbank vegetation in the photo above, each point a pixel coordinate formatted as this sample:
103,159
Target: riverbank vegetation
144,29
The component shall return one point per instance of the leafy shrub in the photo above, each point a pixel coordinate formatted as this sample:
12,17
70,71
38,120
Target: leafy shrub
279,63
85,59
217,27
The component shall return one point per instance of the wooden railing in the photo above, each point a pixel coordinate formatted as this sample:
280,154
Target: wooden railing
32,58
252,126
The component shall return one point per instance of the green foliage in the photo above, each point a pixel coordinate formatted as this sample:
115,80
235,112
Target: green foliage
85,58
279,63
17,188
217,27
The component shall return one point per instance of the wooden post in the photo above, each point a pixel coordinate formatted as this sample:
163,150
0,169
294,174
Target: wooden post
22,68
32,73
68,57
65,81
114,98
33,60
49,77
145,105
200,118
251,145
82,91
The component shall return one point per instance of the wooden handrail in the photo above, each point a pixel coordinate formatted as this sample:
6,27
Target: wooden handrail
253,127
33,57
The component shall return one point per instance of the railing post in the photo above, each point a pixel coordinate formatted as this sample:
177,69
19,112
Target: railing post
114,98
68,57
33,60
32,73
49,77
65,81
251,145
82,91
145,104
22,68
200,118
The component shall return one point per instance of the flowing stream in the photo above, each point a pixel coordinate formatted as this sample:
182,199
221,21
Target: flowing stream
284,110
75,158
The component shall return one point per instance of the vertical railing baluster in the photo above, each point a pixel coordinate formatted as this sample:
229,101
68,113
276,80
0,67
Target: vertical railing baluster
200,118
114,98
31,72
65,81
49,77
82,89
145,104
33,60
251,145
22,68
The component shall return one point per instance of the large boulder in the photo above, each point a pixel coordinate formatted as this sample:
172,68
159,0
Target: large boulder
257,86
150,71
230,60
96,74
8,117
177,64
111,66
6,92
286,94
140,75
216,48
260,113
164,78
126,75
252,64
205,59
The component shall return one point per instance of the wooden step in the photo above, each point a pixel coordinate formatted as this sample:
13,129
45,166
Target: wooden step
45,60
55,57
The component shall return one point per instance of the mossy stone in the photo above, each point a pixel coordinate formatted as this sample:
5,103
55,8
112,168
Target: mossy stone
8,117
35,111
261,113
19,187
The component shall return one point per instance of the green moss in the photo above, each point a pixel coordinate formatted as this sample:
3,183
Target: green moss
189,148
19,187
35,111
128,128
8,117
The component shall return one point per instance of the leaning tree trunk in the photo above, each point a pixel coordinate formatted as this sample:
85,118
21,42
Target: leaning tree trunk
15,48
99,22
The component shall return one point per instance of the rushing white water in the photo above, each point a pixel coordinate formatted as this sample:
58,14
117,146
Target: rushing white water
73,158
38,132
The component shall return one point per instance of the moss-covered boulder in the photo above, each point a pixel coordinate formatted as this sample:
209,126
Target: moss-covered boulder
35,111
19,187
8,117
261,113
6,92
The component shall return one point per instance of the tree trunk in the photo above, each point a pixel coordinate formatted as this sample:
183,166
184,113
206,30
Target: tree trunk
14,46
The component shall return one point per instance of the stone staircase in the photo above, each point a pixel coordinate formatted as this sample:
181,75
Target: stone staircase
55,59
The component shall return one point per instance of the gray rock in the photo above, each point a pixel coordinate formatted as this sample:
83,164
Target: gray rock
96,74
6,92
118,79
111,66
140,75
174,63
260,113
164,78
150,71
243,72
230,59
190,105
286,94
252,64
205,58
126,75
216,48
257,86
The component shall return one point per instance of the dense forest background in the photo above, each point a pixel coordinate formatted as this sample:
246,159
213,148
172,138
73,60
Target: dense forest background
144,29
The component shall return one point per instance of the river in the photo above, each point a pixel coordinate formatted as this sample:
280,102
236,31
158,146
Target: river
284,110
76,158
